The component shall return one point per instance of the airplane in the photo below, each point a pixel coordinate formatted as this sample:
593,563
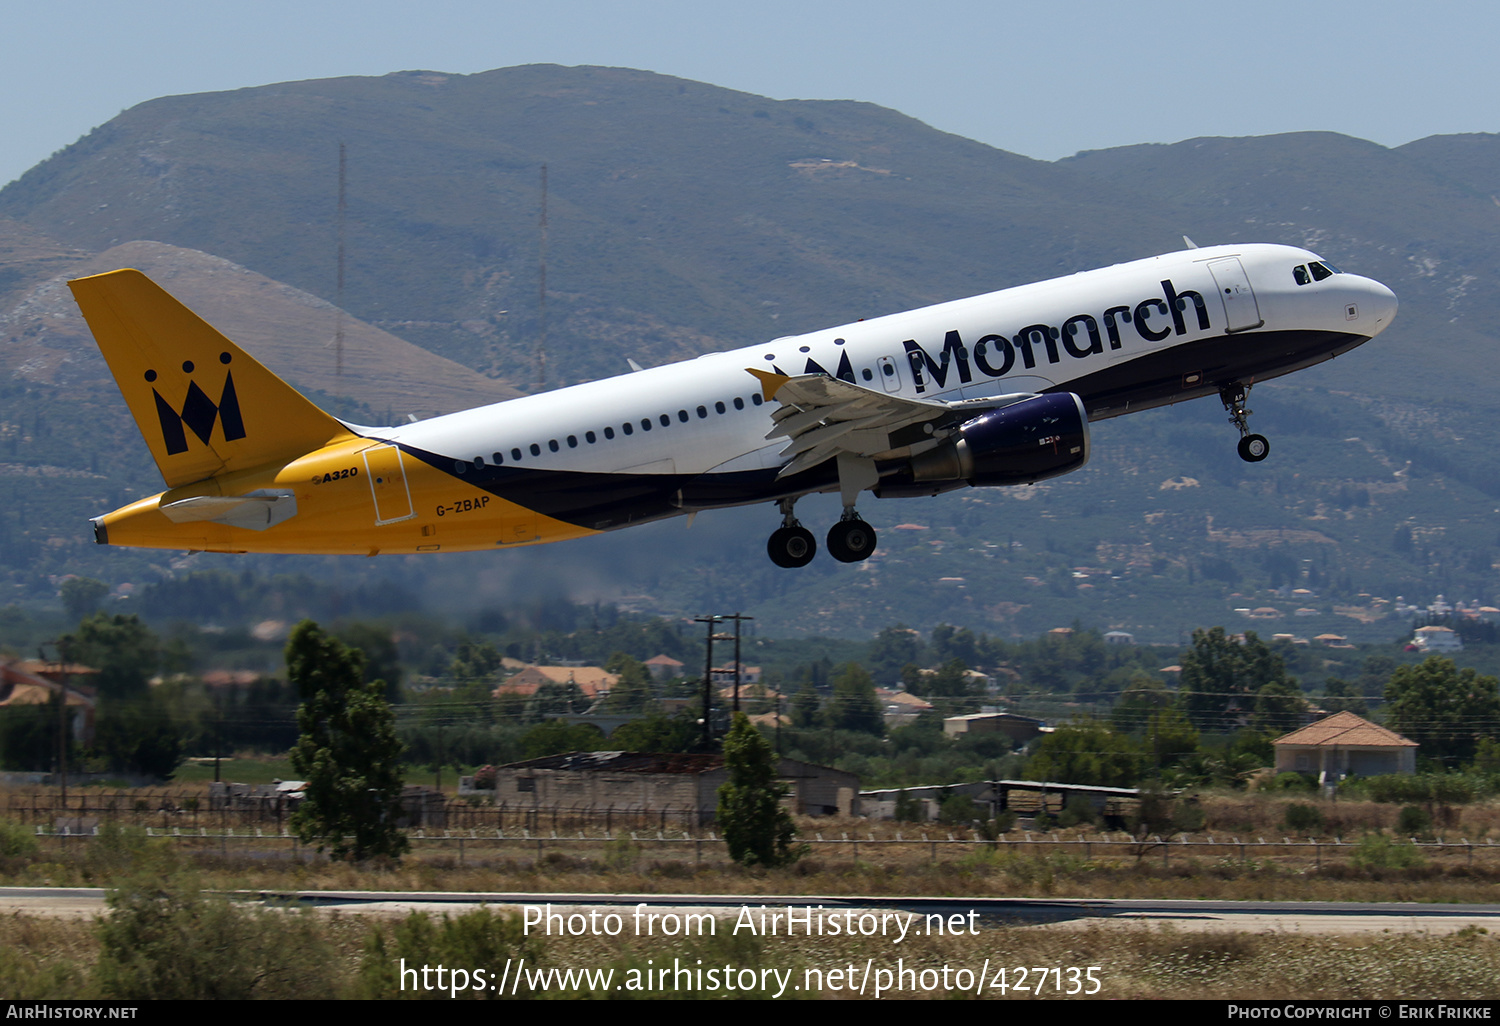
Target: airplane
995,390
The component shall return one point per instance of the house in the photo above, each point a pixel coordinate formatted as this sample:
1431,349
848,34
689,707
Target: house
900,708
33,682
664,667
1019,729
724,675
593,681
679,785
1344,744
1436,639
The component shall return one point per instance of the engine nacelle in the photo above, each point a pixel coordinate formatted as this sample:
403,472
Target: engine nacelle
1028,441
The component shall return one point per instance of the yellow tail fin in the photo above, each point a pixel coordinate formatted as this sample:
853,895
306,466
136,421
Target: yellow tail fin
204,405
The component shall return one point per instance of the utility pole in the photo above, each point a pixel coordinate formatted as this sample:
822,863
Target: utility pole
62,714
708,678
738,618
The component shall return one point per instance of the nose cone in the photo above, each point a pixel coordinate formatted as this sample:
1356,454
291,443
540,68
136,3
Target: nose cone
1377,307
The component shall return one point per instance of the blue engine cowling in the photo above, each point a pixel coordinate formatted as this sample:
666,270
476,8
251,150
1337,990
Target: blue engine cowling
1027,441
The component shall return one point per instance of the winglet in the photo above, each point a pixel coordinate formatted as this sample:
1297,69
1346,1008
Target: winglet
770,381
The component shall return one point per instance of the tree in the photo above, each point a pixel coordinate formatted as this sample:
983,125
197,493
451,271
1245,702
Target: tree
1087,752
1279,708
1170,738
124,650
1443,709
1143,696
854,706
82,595
347,752
1220,677
633,692
756,828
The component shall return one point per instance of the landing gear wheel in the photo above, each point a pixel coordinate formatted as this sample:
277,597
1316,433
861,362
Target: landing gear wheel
1254,448
851,541
791,547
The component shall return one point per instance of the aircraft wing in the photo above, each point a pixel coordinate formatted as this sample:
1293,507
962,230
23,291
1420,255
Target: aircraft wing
822,416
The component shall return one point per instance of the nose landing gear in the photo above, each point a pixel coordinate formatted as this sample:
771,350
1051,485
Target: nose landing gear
1252,447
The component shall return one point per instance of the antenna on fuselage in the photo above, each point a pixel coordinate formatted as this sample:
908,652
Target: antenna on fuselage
1190,243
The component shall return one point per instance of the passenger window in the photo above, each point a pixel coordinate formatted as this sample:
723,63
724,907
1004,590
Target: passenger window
478,462
459,466
625,427
609,432
572,441
589,437
868,375
1319,272
719,406
515,454
552,445
702,412
666,421
497,458
739,404
645,423
1300,273
536,450
756,399
682,416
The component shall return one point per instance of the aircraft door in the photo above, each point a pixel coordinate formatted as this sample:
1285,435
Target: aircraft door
890,374
1240,306
388,486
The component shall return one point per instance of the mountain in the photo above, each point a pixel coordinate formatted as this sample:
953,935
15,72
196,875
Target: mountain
683,218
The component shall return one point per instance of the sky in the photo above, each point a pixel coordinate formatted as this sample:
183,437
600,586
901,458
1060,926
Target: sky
1044,80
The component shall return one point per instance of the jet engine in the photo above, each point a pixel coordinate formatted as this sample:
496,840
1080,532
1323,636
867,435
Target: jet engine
1027,441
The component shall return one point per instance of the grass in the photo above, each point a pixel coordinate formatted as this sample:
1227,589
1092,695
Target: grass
42,959
161,910
263,770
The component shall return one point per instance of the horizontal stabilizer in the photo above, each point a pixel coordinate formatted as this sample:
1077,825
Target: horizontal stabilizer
257,510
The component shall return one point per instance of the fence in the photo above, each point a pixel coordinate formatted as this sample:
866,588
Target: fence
167,811
622,848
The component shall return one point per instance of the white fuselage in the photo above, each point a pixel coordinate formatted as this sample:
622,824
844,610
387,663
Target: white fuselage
936,352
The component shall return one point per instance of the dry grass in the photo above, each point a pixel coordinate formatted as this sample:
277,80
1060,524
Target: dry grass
55,959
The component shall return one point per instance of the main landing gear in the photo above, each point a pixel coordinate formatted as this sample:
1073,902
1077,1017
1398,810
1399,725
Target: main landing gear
851,540
791,545
1252,448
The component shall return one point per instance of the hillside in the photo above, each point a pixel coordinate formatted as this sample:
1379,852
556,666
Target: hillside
683,218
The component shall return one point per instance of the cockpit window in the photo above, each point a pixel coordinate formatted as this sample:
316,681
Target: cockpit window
1321,271
1300,273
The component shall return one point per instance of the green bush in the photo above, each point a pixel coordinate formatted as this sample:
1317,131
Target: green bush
167,941
1295,782
908,808
481,941
1413,821
1443,788
1375,851
16,840
1302,818
1188,817
958,810
1076,811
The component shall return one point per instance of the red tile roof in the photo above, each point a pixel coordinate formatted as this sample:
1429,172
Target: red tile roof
1344,729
